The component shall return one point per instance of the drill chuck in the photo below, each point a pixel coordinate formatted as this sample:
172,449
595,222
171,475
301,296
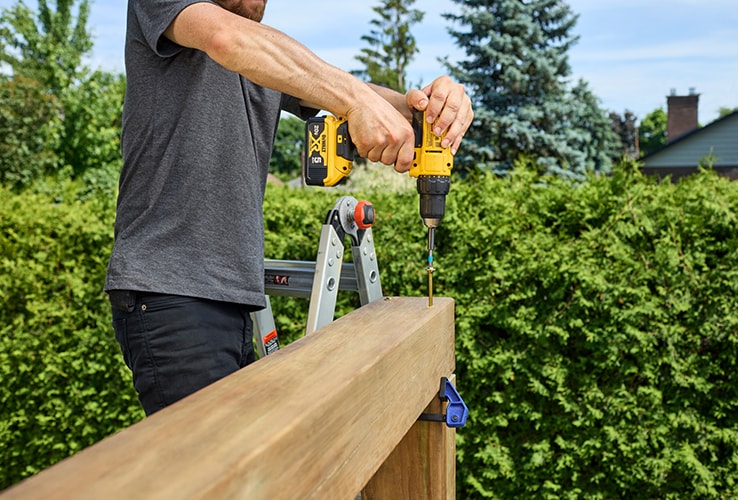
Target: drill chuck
433,190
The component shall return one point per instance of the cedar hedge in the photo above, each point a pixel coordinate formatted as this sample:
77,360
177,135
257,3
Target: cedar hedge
596,328
597,336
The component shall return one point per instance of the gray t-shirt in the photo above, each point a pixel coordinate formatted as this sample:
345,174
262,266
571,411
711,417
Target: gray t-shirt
196,144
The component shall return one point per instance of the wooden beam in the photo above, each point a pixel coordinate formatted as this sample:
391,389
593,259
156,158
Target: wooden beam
314,420
422,467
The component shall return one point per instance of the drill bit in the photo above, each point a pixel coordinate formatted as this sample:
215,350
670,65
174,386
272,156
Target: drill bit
430,268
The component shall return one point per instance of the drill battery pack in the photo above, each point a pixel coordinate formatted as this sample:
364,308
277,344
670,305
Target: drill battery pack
329,151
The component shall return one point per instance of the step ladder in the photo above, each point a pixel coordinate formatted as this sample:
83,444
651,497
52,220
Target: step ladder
321,280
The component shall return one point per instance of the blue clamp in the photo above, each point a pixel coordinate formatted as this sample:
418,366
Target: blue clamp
456,411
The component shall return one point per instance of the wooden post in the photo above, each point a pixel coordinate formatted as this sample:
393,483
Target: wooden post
422,467
314,420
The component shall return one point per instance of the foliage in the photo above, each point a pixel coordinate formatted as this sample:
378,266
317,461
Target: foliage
92,123
64,385
596,336
76,111
28,133
725,111
590,133
286,160
516,71
47,47
652,132
391,45
625,128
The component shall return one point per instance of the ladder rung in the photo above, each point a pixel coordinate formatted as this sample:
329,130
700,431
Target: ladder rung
294,278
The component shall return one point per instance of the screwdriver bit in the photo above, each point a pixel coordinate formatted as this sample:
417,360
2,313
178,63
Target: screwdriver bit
430,268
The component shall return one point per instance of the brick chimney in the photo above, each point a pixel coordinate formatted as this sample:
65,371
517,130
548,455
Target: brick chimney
681,114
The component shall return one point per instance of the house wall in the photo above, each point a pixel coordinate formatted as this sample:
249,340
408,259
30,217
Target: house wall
719,138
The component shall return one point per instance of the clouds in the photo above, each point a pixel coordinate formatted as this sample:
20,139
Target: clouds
634,52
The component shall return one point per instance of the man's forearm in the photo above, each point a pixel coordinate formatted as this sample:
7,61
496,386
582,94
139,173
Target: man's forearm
393,97
267,57
397,100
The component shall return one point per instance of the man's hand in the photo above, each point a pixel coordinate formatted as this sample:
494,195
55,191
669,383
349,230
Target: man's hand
447,107
381,133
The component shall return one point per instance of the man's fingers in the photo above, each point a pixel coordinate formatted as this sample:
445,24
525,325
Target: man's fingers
388,146
438,93
416,99
458,128
449,110
405,157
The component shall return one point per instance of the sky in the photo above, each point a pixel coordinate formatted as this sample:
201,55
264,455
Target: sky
633,53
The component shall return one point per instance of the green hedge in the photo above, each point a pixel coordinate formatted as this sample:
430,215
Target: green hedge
596,333
597,336
63,383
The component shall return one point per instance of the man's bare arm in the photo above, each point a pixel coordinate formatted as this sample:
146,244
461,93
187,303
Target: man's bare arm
270,58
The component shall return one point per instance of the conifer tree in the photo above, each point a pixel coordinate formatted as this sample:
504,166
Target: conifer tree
591,132
391,45
517,72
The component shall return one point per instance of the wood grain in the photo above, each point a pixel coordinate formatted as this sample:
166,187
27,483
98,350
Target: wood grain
314,420
422,466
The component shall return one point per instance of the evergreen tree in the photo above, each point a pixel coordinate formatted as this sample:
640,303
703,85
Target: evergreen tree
516,71
391,45
589,133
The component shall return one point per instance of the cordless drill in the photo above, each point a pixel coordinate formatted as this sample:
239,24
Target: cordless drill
329,155
432,167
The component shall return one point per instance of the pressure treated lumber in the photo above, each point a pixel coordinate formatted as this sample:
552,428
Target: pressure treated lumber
314,420
422,466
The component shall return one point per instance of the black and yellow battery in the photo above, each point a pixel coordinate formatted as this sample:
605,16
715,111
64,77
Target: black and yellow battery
329,151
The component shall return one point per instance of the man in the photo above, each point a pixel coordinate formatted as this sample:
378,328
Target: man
206,82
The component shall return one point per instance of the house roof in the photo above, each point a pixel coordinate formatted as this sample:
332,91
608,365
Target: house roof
718,139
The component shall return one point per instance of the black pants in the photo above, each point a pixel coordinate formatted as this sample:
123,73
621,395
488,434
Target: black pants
177,345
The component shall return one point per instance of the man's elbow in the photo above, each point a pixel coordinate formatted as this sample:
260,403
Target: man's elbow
208,28
223,48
